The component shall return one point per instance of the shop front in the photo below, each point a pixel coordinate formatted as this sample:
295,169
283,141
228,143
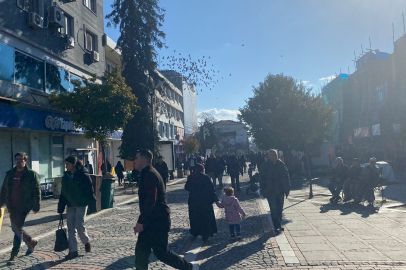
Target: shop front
46,136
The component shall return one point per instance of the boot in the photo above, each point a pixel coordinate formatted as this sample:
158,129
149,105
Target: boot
31,247
13,259
71,255
88,247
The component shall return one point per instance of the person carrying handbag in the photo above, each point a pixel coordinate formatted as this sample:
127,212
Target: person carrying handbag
77,194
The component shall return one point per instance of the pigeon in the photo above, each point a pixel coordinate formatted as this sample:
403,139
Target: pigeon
242,45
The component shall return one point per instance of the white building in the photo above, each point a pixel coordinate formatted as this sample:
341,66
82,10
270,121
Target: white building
233,137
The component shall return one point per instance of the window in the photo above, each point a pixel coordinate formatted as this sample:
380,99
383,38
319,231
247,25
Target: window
74,77
24,5
90,4
90,42
6,63
109,67
68,26
57,80
29,71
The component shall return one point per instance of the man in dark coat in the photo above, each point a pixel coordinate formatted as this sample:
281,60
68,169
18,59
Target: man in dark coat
275,185
154,222
162,168
22,193
220,165
339,175
234,170
370,180
354,178
210,168
260,159
202,195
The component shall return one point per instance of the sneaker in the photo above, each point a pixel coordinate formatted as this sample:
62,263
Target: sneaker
31,247
195,265
239,235
13,260
233,235
88,247
71,255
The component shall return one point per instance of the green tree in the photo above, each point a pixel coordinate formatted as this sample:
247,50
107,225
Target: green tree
139,22
100,109
206,134
190,145
283,114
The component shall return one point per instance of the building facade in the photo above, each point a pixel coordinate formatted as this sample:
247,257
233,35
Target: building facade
44,46
232,137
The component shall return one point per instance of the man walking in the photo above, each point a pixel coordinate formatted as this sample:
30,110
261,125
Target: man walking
21,192
340,174
210,167
191,163
275,185
154,221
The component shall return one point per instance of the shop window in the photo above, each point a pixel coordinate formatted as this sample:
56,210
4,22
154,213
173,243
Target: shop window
166,130
90,4
44,157
91,42
57,80
58,164
29,71
6,63
160,129
68,26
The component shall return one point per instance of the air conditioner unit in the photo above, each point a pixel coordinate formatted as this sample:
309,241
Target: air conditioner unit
35,20
56,16
95,56
69,42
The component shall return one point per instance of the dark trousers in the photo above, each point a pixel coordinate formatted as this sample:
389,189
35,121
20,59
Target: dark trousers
276,204
236,226
335,188
165,179
235,179
157,240
17,220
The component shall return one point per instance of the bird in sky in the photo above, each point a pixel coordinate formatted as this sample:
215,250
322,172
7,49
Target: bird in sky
230,74
242,45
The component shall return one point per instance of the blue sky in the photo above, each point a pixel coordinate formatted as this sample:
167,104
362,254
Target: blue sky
309,40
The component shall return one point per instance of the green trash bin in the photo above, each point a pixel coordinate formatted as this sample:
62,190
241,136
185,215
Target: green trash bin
107,192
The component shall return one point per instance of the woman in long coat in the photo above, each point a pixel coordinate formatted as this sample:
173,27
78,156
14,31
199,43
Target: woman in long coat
201,198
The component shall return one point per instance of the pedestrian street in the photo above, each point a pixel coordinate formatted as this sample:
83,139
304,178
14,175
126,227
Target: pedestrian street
317,235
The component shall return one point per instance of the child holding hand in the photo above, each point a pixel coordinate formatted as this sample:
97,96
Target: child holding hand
233,210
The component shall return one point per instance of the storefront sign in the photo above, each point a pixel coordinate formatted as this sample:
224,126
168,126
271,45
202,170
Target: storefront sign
55,123
19,117
376,130
362,132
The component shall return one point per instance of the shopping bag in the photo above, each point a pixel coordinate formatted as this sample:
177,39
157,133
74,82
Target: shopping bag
61,240
1,218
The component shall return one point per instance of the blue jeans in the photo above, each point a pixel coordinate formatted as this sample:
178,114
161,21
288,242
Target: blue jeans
237,228
220,177
276,205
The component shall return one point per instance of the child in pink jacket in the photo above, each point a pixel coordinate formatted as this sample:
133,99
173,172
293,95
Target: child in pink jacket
233,210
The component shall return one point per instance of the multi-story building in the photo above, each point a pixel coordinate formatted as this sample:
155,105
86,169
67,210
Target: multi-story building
189,100
233,137
44,46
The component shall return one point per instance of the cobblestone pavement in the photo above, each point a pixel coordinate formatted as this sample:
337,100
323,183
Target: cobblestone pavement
318,235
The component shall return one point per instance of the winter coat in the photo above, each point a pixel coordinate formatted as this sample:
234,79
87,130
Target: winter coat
233,167
232,208
210,165
77,191
119,171
220,166
274,179
30,191
162,169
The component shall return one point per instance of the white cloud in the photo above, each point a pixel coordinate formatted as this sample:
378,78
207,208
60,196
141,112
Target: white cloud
327,79
305,82
227,45
223,114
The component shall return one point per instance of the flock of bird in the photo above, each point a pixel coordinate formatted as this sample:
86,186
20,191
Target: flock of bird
199,72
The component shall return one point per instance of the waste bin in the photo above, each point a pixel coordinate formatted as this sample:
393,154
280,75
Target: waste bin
107,192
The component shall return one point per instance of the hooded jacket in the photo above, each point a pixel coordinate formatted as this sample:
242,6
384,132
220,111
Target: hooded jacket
77,191
233,209
30,191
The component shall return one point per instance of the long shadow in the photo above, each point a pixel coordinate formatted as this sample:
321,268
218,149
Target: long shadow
44,220
348,208
45,265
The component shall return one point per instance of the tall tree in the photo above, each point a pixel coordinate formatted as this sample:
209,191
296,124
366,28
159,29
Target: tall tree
139,22
190,144
283,114
206,134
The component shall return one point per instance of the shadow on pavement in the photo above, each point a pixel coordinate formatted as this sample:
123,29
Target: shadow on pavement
348,208
123,263
45,265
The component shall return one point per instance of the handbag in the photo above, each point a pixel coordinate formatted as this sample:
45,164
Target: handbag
61,240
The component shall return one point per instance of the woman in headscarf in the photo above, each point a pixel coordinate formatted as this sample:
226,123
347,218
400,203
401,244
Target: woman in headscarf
201,198
119,171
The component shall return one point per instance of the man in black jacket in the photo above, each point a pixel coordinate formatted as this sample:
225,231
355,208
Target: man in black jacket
162,168
21,192
275,185
210,167
339,175
154,221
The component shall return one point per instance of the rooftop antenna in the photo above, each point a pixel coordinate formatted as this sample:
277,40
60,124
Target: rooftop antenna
348,70
370,45
362,50
404,30
355,61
